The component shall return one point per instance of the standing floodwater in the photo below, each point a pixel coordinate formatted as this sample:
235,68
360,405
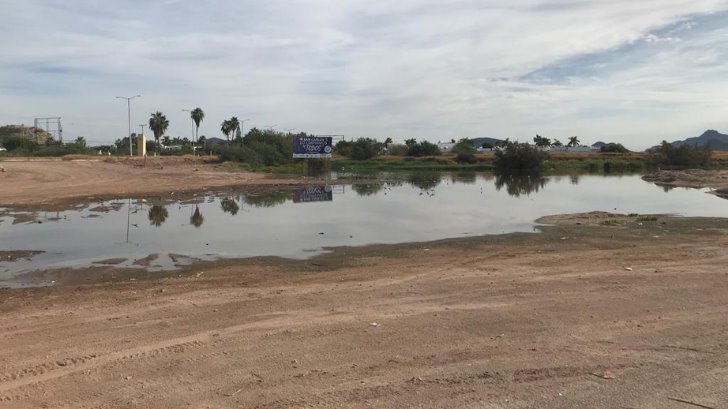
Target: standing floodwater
161,233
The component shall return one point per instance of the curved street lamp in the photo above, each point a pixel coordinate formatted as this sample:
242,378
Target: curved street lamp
128,113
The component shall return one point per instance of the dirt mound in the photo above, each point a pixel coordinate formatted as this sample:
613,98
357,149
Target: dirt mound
695,178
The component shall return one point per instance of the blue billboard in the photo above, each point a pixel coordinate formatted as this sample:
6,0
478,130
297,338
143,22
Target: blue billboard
312,146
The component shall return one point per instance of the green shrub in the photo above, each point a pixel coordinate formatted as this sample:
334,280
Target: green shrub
423,148
365,148
519,157
343,148
16,143
614,147
466,158
683,156
397,150
465,146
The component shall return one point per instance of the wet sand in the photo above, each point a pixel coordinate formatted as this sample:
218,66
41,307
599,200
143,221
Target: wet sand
587,314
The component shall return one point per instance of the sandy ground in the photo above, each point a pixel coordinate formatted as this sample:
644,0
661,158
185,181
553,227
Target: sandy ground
584,315
53,181
696,178
630,313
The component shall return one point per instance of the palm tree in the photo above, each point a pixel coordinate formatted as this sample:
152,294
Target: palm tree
234,125
197,115
158,123
541,141
573,141
229,127
226,129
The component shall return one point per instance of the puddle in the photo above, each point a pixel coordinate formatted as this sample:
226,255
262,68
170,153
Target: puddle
161,233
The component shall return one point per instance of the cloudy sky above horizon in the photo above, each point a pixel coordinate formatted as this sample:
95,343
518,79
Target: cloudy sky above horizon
629,71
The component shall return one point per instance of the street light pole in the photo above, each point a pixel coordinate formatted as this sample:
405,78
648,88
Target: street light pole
128,112
194,151
142,126
242,126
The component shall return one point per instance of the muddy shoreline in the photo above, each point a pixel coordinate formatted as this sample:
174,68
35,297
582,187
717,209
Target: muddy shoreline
59,184
598,310
581,315
553,228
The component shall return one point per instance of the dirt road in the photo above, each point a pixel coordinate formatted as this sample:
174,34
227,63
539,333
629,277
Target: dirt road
581,316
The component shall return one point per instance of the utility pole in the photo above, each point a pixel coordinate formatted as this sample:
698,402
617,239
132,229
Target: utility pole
128,112
193,130
242,126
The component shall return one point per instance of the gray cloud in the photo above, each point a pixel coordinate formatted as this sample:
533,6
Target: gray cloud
634,72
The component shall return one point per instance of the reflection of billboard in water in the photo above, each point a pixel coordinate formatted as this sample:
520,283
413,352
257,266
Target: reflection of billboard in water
312,147
308,194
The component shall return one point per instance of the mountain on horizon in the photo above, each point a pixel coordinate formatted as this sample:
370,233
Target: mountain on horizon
216,141
711,138
478,142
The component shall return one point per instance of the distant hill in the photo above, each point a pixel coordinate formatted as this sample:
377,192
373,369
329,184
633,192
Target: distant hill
710,138
478,142
216,141
26,132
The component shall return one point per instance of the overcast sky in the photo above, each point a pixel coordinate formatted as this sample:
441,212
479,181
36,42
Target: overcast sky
629,71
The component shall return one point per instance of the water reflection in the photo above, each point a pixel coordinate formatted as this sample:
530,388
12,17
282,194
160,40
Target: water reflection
425,180
313,193
518,184
464,177
268,198
386,210
157,215
368,189
197,219
229,206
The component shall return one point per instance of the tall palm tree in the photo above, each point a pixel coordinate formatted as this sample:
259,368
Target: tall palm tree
229,126
234,125
226,129
197,115
158,123
573,141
